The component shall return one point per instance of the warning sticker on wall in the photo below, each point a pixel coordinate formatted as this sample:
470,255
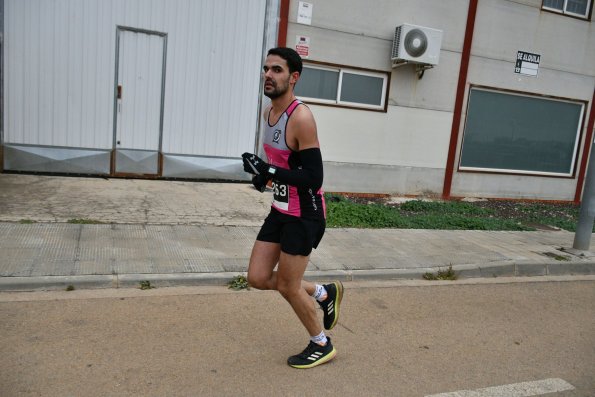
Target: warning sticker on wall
302,46
527,63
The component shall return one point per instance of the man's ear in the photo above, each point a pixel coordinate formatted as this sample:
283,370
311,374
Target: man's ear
294,77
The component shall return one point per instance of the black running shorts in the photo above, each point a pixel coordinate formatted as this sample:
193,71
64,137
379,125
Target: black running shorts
297,236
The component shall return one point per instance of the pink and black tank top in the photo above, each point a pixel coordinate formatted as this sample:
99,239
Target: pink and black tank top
290,200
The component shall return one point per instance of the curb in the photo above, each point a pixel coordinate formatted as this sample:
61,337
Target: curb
493,270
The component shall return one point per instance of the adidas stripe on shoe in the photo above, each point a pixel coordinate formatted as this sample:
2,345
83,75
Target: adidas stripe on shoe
331,305
313,355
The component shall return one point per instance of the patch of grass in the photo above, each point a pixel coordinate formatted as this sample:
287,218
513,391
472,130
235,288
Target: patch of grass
238,283
452,207
563,216
145,284
447,274
26,221
84,221
70,288
348,214
561,223
416,214
463,222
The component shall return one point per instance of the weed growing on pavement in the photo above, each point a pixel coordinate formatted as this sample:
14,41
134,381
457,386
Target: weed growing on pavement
447,274
70,288
83,221
145,284
556,256
238,283
26,221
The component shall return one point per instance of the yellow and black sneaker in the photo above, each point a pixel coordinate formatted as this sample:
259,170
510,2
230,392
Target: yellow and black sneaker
330,306
313,355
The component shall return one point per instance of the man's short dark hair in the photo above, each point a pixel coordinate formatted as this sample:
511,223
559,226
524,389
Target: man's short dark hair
294,61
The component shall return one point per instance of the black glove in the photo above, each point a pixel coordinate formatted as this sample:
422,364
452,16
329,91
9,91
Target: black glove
254,164
260,182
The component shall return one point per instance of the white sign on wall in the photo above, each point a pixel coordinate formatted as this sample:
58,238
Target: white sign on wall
305,13
302,46
527,63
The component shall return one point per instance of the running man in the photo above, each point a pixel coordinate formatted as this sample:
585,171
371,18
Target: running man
297,219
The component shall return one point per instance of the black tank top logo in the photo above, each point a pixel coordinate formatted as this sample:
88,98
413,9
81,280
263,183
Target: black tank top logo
276,136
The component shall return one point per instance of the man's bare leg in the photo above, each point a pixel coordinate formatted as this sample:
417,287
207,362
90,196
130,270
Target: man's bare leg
320,350
264,258
291,286
288,281
261,273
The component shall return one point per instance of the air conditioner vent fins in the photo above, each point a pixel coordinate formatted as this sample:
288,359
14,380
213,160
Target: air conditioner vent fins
416,44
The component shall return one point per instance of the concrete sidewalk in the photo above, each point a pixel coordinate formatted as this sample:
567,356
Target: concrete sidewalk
189,233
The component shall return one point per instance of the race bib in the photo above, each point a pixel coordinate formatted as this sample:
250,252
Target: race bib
281,195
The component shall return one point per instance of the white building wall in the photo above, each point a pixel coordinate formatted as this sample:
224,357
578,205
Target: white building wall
60,66
382,138
211,103
405,149
359,33
49,67
502,26
566,70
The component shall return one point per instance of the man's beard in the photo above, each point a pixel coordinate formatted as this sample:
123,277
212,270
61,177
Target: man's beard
276,90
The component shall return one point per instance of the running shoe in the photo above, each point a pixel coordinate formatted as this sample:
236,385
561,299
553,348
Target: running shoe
330,306
313,355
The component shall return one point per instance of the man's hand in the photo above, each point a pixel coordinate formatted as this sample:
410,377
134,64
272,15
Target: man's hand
254,164
260,182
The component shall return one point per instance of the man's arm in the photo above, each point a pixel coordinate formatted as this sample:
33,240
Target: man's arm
301,130
302,136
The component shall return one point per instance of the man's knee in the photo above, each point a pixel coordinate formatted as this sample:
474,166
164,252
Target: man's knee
288,289
259,281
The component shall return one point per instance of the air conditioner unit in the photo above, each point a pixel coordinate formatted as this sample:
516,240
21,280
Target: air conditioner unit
416,44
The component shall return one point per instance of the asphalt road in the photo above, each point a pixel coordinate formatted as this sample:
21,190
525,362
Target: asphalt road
393,338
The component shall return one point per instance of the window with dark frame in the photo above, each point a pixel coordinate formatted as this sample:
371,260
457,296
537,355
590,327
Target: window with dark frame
576,8
342,86
520,134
